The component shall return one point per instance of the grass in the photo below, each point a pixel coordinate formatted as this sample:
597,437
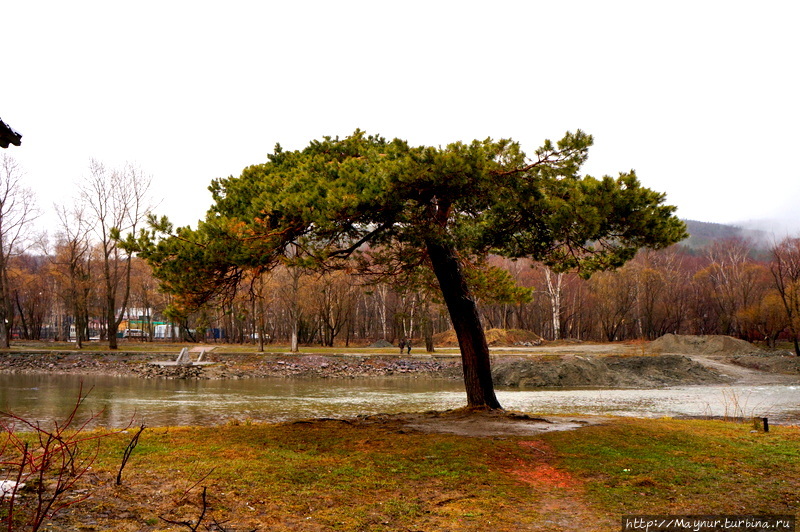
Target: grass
330,473
677,466
334,475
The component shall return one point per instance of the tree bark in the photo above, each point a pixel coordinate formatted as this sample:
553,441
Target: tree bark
427,328
466,322
111,318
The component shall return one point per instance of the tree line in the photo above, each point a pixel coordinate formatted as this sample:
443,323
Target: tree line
74,283
80,285
727,288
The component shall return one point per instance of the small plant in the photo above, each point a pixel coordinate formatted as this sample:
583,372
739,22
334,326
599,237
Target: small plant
194,526
737,406
49,461
126,454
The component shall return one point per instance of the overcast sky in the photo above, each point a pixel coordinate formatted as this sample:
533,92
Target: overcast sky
699,97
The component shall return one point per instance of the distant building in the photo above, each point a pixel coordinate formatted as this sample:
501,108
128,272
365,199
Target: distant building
8,136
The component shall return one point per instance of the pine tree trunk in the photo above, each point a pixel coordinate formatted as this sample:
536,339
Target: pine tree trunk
466,322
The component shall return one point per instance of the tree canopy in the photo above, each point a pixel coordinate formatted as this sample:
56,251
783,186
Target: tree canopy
404,207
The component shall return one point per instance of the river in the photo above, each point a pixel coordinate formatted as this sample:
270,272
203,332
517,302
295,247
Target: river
115,401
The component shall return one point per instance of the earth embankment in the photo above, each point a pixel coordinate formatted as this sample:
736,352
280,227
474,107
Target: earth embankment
669,361
738,359
706,345
574,371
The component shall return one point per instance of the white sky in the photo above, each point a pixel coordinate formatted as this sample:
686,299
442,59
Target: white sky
699,97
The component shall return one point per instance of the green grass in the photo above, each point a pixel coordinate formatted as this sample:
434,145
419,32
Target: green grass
333,475
672,466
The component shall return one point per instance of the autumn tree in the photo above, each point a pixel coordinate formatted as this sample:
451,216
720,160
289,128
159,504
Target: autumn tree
765,319
661,287
72,265
260,298
443,207
731,281
332,299
785,269
32,297
17,210
613,303
144,294
118,203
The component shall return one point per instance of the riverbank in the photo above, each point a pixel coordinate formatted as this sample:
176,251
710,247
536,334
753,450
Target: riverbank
383,473
455,471
556,366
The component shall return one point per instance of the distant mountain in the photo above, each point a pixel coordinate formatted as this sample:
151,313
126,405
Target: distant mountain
703,234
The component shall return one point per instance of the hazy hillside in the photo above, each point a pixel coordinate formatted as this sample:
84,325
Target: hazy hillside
703,234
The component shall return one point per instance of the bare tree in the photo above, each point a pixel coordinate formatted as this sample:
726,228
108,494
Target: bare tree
290,292
614,295
72,259
31,280
333,300
260,300
145,295
555,282
785,268
118,202
732,281
17,210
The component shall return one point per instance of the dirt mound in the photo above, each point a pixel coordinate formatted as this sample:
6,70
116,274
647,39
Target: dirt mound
382,343
702,345
478,423
494,337
611,371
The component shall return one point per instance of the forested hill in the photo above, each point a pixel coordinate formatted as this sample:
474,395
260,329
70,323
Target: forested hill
703,234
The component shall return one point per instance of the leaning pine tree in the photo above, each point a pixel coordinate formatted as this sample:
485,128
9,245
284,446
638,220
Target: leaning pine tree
407,206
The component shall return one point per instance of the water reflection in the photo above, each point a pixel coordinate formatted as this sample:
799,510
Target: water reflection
159,402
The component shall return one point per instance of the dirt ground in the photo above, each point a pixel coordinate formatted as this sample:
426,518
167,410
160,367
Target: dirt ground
480,423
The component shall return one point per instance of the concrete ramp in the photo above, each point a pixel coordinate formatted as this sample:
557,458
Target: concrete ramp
185,357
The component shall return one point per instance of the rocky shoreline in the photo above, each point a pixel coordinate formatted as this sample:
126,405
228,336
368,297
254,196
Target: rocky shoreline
228,366
509,370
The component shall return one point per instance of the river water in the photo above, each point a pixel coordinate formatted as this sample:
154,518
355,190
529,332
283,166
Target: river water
160,402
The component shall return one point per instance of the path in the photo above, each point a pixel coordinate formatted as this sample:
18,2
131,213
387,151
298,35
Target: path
742,375
558,501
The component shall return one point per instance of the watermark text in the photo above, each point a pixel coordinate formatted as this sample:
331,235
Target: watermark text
708,523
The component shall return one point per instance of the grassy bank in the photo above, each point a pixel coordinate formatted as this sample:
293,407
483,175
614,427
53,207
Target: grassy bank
380,475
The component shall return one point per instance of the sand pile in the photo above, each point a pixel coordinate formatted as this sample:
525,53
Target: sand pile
382,343
612,371
703,345
494,337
